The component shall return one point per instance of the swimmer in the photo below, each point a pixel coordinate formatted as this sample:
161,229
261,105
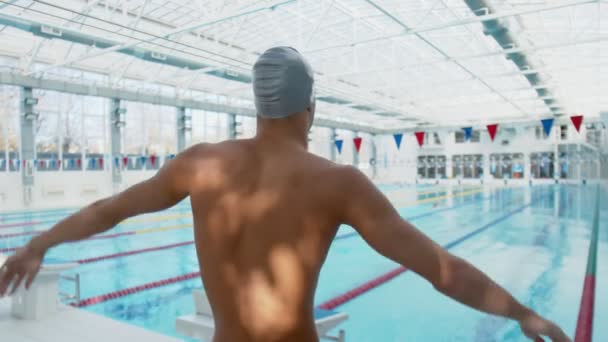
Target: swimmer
265,214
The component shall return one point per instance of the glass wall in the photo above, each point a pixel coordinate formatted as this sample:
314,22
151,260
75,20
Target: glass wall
541,165
319,141
431,167
71,131
459,137
507,165
208,126
9,128
149,133
467,166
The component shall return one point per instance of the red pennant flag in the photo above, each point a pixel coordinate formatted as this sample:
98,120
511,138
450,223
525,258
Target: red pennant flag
420,138
79,162
153,160
492,130
100,162
357,142
577,121
59,163
125,161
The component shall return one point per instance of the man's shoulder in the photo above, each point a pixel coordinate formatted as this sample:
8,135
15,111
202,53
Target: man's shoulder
224,149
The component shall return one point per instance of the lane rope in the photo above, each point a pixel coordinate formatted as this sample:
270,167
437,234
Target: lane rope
153,230
584,324
329,305
384,278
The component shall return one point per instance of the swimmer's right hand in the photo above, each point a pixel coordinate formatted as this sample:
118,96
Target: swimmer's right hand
534,327
24,264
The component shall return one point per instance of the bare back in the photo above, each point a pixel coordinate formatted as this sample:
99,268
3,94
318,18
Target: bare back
263,226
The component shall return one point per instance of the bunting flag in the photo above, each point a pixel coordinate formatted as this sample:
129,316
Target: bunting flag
11,163
357,142
59,163
53,164
398,137
142,160
79,163
17,164
100,162
116,162
2,164
125,161
339,145
420,138
492,130
24,163
468,131
171,156
547,125
93,162
37,164
153,160
71,163
577,120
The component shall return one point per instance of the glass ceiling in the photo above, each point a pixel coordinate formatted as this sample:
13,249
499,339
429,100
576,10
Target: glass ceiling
381,63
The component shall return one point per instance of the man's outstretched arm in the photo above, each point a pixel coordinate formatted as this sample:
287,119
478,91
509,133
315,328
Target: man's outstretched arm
368,211
165,189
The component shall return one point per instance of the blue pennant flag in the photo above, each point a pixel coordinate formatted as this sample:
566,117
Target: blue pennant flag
339,145
17,164
53,163
142,159
467,133
398,137
72,163
2,164
547,125
116,162
93,163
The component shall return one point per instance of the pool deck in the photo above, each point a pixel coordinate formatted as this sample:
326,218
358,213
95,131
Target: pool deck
71,325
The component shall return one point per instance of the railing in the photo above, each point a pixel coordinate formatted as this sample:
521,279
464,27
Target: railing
71,299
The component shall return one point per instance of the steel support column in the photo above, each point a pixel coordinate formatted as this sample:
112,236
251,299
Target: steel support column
28,119
116,124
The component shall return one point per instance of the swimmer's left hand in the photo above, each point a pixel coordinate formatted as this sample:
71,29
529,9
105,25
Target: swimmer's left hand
24,264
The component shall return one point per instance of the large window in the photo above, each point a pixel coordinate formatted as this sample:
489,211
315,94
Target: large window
431,167
467,166
9,128
507,165
71,131
208,127
542,165
150,132
459,137
319,141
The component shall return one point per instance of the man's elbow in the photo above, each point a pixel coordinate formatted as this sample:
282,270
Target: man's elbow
448,281
103,213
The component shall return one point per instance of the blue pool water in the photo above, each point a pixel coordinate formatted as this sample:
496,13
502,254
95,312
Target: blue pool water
531,240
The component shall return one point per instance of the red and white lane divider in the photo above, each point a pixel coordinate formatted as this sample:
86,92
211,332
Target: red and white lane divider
361,289
116,255
133,252
135,289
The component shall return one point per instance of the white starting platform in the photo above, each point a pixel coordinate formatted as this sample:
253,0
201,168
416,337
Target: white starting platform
201,325
36,315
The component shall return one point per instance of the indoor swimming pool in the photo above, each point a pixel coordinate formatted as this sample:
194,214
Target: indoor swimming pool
532,240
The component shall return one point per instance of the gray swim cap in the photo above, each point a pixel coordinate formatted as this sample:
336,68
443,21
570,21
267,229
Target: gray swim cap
282,83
